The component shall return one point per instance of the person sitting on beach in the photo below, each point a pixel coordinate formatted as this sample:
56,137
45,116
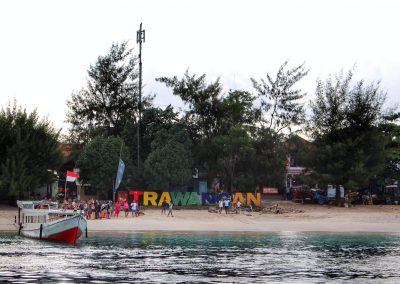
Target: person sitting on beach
276,209
220,205
170,209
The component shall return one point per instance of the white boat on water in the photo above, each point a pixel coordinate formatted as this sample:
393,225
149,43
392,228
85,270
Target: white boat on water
44,220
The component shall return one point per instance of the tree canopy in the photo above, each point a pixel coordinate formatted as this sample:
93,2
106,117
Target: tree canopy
344,123
29,151
99,160
110,98
169,164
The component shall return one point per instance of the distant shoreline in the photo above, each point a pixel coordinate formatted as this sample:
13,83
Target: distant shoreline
312,219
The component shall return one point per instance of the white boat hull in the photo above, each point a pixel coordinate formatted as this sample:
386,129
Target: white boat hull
66,230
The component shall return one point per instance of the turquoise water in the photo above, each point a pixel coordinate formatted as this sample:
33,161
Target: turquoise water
203,258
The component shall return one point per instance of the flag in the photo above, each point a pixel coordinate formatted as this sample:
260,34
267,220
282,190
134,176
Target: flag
120,173
71,176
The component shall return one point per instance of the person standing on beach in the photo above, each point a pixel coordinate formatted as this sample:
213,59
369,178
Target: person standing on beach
170,209
117,209
226,205
135,209
238,204
220,205
126,208
164,207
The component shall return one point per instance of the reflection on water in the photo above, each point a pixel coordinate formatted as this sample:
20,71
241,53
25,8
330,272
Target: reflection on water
206,257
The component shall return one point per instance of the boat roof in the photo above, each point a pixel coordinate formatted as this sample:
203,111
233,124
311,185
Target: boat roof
32,203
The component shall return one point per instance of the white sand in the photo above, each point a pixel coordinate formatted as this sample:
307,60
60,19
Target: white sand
315,218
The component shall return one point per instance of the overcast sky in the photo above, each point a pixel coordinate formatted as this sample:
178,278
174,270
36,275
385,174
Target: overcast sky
47,47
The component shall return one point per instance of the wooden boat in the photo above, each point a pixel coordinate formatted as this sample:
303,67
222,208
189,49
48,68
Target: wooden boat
44,220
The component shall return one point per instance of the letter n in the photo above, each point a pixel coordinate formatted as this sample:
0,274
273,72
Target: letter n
256,200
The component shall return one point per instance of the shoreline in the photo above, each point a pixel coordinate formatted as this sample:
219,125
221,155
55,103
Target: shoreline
300,218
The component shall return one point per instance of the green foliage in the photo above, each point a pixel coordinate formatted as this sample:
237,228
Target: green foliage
233,149
110,98
391,132
153,120
28,149
169,164
237,109
98,163
268,165
203,101
279,101
349,146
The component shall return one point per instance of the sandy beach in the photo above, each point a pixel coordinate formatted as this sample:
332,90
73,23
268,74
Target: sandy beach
296,218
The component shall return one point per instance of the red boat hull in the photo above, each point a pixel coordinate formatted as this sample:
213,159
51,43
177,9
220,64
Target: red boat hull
68,236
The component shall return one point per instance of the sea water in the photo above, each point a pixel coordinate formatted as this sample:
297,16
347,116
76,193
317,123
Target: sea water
180,257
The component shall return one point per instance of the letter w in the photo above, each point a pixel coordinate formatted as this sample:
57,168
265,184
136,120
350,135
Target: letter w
179,198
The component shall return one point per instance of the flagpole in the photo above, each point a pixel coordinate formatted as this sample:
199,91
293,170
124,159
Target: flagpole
114,191
65,188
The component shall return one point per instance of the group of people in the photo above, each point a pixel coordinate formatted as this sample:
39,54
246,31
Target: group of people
164,206
225,203
95,209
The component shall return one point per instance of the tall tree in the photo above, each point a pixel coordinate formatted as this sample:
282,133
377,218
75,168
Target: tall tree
203,100
344,123
391,130
238,109
268,163
110,97
169,164
153,120
233,150
29,148
98,163
280,101
203,117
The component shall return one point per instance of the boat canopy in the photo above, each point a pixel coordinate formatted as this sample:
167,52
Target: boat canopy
42,204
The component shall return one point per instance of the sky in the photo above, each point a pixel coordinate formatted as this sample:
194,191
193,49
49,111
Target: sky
46,47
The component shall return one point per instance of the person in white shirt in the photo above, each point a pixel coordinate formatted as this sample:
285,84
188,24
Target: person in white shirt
170,209
238,204
220,205
226,205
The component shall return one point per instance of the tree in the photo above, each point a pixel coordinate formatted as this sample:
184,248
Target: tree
203,100
279,100
268,163
110,97
98,163
203,118
153,120
28,148
237,110
233,150
391,132
169,164
344,123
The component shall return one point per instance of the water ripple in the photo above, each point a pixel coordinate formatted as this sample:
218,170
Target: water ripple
203,258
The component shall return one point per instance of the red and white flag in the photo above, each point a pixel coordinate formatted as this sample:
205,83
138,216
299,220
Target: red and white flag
71,176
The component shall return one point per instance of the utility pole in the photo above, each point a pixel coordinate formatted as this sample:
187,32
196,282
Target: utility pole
140,36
